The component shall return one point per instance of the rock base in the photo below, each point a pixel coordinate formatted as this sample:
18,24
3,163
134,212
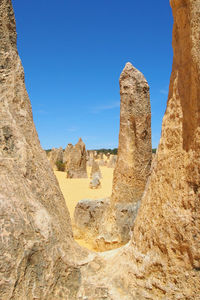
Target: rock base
102,226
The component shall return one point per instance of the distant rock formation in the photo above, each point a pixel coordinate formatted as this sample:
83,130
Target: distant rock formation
66,154
95,170
135,150
112,161
102,162
55,155
75,158
100,155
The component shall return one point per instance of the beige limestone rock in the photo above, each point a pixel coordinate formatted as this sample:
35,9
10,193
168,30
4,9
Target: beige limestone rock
102,162
38,257
55,155
112,161
103,229
133,162
66,154
95,170
95,183
162,259
167,227
134,151
76,161
100,156
91,217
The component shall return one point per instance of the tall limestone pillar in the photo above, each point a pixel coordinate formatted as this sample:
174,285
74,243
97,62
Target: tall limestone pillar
135,150
109,222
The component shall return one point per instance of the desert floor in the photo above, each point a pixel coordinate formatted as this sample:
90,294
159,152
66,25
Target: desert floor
78,189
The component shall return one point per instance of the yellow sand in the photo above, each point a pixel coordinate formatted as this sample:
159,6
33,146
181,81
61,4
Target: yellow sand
77,189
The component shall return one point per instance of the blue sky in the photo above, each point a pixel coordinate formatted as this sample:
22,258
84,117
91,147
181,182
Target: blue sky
73,52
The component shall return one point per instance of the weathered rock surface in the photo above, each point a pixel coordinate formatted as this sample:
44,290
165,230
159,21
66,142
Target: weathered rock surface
167,227
134,151
162,259
38,255
38,258
95,171
91,217
133,159
76,161
96,223
66,154
54,156
95,183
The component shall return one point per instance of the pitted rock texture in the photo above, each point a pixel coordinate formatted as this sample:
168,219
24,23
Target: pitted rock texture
95,171
167,227
100,226
134,151
38,254
75,158
93,223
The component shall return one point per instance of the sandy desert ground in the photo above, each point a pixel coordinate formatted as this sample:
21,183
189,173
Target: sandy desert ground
78,189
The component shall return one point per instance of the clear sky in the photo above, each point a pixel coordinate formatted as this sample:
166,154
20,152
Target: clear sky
73,52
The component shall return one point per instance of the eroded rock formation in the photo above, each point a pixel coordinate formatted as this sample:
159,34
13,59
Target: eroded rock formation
39,259
162,260
167,227
134,151
38,254
112,161
55,155
95,170
75,158
132,167
66,154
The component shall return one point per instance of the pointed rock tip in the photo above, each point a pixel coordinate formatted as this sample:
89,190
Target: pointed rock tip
130,70
80,141
128,66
